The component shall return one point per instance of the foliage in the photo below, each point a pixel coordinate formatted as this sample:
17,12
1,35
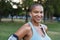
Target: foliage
56,6
52,8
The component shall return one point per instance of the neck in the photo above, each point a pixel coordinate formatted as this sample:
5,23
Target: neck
37,24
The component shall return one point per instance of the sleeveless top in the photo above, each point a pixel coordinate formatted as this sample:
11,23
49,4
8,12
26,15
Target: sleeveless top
36,35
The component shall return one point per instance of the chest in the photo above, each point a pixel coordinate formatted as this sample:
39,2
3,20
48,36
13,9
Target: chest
38,35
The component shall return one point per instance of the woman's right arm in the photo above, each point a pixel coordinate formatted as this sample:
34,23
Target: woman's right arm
20,33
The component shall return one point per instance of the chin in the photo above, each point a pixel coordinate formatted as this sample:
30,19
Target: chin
38,21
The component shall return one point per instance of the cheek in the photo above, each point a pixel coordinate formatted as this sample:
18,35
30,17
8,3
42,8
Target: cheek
42,15
34,14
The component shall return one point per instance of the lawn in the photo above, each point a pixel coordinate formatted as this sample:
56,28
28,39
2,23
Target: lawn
54,30
8,28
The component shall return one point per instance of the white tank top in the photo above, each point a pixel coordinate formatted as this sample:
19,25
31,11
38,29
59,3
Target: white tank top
36,35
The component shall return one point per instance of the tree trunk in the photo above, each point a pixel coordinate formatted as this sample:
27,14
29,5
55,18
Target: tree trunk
12,18
26,17
0,17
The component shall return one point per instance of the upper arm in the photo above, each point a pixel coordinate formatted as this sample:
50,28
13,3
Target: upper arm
22,32
46,28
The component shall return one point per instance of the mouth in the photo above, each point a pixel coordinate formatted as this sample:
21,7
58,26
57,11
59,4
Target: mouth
38,18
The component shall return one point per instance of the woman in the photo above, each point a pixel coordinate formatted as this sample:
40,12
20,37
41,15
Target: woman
32,30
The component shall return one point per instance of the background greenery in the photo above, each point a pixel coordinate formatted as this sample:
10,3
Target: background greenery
8,28
51,8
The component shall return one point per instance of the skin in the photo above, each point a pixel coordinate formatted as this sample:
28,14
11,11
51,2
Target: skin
25,31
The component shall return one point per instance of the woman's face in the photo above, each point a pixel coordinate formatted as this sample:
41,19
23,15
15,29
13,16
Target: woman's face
37,13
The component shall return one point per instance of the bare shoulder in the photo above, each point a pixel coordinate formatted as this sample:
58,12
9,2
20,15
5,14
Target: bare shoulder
23,30
45,27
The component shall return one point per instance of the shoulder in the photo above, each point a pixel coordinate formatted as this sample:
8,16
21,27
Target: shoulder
23,30
26,26
45,27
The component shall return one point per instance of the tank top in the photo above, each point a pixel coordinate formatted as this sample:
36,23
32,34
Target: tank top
36,35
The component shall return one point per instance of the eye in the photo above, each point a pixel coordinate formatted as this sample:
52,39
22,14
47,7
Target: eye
41,12
36,11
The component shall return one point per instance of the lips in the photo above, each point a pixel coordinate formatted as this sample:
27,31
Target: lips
38,18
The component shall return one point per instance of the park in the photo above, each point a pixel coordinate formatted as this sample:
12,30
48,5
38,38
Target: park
13,14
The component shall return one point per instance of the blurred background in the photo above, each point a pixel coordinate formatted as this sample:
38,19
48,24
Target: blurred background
14,13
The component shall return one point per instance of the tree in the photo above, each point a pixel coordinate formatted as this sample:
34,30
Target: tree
49,9
26,4
57,8
2,8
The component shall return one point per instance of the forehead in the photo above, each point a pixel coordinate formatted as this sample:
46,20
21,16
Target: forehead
39,8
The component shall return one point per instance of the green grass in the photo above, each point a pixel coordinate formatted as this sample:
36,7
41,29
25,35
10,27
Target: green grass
54,30
8,28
